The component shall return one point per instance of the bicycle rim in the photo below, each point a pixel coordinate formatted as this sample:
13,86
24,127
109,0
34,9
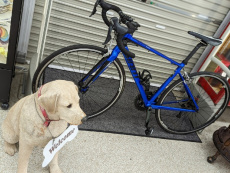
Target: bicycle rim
211,93
72,63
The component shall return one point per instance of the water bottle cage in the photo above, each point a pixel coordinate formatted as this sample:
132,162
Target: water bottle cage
145,79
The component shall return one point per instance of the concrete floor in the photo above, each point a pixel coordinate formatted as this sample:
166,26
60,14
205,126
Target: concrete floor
94,152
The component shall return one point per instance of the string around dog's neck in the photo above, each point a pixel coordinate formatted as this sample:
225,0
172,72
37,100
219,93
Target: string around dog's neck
44,113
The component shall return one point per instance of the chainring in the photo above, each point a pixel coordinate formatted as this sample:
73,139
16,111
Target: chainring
139,103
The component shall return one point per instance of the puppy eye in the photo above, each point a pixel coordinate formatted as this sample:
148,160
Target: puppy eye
69,106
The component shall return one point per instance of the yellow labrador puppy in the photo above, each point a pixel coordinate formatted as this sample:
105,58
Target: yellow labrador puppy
37,118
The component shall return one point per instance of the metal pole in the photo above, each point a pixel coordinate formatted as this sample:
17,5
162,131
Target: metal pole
26,23
44,29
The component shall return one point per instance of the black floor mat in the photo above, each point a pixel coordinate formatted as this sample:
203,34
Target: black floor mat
124,118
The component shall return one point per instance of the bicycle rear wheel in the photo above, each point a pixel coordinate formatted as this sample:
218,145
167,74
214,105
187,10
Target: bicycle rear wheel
211,92
72,63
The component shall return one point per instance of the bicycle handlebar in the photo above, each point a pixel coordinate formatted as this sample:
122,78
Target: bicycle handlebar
114,23
106,7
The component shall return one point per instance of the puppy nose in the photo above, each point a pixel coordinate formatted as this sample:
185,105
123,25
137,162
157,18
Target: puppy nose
84,119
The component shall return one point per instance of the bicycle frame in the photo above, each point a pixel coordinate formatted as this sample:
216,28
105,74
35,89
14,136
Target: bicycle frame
102,65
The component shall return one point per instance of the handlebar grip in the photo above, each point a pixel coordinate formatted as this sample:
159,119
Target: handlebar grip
106,7
122,47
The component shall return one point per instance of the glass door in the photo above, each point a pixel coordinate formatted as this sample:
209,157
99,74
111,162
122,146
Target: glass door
218,61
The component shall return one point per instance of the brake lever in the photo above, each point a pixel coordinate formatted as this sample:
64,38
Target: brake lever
114,25
108,38
95,7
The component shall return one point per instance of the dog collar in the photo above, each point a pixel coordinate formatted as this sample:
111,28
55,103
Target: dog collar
47,120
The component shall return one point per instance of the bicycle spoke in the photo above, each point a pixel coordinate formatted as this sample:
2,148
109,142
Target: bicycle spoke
71,65
63,74
86,61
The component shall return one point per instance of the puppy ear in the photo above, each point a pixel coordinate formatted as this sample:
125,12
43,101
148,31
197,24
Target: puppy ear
49,102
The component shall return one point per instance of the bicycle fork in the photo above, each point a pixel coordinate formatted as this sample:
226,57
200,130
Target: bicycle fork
99,68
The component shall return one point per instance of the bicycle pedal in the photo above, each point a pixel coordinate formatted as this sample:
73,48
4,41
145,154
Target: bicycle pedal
149,131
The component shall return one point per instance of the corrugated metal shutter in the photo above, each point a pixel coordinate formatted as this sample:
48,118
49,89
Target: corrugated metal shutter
70,24
35,29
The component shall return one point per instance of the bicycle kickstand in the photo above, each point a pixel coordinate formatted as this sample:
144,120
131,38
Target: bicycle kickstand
149,130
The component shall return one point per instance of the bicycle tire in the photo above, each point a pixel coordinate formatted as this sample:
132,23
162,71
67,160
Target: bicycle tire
210,109
75,55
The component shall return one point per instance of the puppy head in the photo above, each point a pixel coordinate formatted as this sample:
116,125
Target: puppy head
60,99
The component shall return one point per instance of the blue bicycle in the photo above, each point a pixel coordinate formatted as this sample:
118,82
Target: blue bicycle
182,106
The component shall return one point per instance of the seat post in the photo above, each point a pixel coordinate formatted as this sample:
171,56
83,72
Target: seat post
185,61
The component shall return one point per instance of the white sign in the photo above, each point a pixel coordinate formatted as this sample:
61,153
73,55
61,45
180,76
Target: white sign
54,145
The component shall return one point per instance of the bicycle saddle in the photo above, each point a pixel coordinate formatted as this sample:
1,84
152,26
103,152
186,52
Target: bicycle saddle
209,40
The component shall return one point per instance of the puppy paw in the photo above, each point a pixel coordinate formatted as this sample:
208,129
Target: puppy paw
55,169
10,149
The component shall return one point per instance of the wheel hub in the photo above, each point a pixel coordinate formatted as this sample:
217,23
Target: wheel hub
82,89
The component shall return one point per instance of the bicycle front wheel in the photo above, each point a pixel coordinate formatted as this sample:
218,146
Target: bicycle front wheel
72,63
211,93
